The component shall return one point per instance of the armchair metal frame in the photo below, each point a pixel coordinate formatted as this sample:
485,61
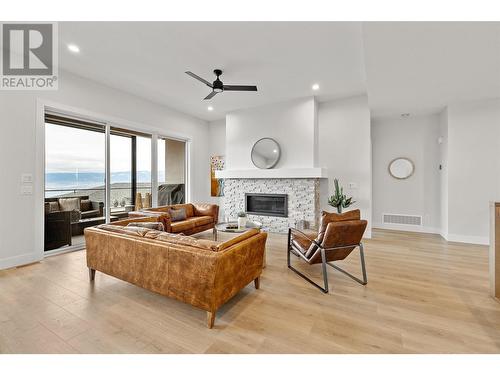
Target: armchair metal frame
292,249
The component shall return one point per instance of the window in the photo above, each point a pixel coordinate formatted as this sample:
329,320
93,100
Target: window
171,171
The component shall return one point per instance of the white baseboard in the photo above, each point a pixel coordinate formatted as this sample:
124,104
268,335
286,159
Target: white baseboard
19,260
407,228
476,240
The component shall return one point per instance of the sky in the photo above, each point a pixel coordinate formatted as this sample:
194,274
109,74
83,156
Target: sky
73,150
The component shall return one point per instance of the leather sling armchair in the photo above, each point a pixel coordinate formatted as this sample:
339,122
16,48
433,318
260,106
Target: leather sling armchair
339,240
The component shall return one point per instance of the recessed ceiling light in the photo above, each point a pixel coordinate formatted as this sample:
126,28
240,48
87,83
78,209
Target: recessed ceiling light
315,87
74,48
210,108
275,151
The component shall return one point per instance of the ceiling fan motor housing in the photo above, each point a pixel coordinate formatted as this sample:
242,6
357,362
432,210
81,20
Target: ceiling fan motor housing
218,86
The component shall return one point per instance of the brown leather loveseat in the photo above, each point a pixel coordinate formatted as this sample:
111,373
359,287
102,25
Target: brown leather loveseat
199,217
202,273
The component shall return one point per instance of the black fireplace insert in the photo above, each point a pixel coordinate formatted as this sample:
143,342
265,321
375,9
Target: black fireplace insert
266,204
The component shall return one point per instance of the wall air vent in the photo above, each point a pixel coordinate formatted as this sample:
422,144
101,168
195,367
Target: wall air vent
402,219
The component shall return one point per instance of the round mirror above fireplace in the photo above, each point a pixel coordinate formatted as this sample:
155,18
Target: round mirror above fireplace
265,153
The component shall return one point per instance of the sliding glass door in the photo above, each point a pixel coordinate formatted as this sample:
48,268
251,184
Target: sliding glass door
74,180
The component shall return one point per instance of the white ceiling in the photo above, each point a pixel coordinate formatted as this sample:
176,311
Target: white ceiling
403,67
420,67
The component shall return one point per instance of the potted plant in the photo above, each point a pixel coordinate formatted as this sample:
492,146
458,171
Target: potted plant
339,200
242,219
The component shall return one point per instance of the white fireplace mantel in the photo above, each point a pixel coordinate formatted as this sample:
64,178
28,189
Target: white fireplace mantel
273,173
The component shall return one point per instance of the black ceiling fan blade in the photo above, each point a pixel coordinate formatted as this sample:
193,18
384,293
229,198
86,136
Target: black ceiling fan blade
239,88
211,95
197,77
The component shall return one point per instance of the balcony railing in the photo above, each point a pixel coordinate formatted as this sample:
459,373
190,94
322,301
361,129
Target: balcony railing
119,195
167,194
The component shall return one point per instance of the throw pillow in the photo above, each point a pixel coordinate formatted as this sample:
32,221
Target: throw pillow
69,204
177,215
86,205
149,225
53,206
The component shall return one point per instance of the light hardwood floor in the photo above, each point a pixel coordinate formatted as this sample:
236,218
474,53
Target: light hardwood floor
423,296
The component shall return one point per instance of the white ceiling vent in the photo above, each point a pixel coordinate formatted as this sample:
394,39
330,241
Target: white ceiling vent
402,219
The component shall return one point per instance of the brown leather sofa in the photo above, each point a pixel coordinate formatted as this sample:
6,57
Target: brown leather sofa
202,273
199,217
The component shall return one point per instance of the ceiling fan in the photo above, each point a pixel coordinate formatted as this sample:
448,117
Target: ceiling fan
217,86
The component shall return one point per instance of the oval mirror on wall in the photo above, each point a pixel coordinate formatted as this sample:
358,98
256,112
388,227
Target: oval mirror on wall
265,153
401,168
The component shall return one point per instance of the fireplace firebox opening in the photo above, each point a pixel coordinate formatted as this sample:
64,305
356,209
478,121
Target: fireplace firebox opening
266,204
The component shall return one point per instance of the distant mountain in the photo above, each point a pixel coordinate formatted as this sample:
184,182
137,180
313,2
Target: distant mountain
83,180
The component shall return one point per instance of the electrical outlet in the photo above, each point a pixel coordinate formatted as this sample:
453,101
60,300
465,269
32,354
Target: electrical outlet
353,185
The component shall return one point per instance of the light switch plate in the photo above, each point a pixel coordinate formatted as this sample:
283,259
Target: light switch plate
26,178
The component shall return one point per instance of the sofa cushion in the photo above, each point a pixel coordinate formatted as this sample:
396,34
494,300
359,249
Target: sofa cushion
86,205
150,225
188,207
202,220
181,226
152,234
182,240
177,215
69,204
133,231
89,214
204,209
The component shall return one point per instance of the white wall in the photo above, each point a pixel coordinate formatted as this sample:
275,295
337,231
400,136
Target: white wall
415,138
473,168
291,124
217,146
17,150
334,135
443,156
345,150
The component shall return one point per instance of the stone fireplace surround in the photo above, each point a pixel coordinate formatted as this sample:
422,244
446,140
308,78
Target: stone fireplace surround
303,200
